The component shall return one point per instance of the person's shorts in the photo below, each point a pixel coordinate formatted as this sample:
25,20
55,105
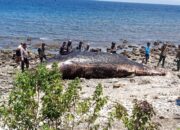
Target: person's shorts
147,56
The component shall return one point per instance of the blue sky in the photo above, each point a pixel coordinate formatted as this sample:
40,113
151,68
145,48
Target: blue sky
171,2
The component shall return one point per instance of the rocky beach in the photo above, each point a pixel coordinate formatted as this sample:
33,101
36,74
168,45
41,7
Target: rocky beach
160,91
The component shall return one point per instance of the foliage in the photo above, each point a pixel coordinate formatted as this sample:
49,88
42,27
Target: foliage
141,118
41,101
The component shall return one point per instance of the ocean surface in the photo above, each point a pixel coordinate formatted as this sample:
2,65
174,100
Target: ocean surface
95,22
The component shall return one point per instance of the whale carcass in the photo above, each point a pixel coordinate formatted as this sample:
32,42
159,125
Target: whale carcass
100,65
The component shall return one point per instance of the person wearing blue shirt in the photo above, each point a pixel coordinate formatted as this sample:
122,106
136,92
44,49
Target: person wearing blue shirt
147,52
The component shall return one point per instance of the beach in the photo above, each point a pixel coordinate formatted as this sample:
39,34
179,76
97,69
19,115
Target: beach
160,91
98,24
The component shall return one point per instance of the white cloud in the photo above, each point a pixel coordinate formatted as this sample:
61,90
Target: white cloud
171,2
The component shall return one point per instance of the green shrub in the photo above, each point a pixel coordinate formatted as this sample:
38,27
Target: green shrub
41,101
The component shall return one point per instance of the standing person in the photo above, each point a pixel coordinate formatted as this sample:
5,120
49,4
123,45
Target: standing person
147,52
87,47
69,47
113,48
80,46
178,58
164,50
24,57
41,52
62,50
18,53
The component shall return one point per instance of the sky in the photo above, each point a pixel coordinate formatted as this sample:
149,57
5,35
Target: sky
170,2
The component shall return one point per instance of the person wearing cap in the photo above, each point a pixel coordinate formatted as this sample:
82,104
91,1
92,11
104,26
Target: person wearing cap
41,52
178,58
164,50
24,57
147,52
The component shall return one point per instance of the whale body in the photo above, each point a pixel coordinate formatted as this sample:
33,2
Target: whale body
100,65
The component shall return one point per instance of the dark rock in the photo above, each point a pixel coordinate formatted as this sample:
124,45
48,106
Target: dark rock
120,47
156,97
132,80
95,50
161,117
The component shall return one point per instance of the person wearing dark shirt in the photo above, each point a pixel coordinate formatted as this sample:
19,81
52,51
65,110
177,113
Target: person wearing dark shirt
41,52
113,48
178,58
63,50
163,55
80,46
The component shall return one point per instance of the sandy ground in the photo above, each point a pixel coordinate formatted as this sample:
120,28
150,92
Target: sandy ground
160,91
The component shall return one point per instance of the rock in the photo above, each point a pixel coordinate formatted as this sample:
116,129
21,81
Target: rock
161,117
95,50
156,97
132,80
143,82
134,59
170,101
178,76
156,43
125,41
82,79
126,53
120,47
131,46
118,85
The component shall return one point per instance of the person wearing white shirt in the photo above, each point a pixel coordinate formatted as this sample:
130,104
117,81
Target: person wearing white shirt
24,57
18,54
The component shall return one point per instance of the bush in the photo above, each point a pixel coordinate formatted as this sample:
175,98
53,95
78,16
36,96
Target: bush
40,101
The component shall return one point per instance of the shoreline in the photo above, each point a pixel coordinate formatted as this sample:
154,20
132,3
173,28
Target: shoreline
160,91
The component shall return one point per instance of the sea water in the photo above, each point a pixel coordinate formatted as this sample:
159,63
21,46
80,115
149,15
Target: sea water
89,20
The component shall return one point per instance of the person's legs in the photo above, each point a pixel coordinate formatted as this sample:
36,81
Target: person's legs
22,66
41,59
178,64
26,61
45,57
163,61
147,58
160,59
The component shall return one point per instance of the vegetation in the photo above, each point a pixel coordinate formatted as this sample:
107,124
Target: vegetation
40,101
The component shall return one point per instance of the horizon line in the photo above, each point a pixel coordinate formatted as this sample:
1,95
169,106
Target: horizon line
138,2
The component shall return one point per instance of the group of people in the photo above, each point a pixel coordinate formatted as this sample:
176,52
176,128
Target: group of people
66,48
163,55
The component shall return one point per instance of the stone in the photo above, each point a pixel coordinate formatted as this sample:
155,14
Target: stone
144,82
161,117
156,97
132,80
118,85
